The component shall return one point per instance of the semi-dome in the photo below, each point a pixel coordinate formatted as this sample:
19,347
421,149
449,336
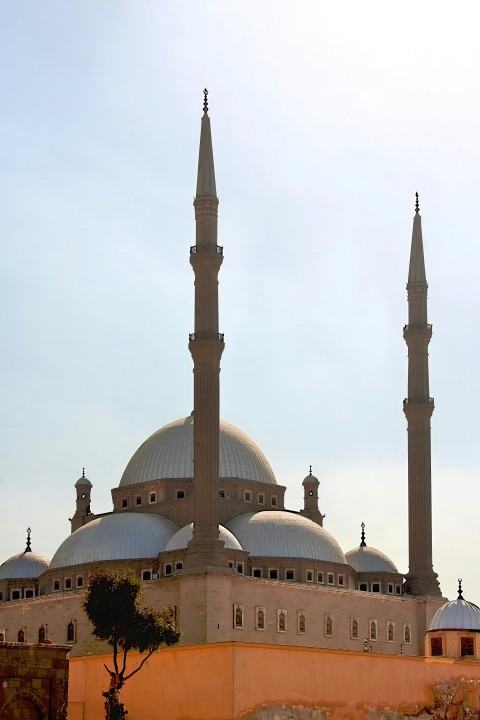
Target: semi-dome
279,533
458,614
118,536
168,453
181,538
366,559
28,564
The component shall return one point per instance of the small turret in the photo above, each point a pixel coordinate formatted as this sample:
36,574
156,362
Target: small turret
310,499
83,487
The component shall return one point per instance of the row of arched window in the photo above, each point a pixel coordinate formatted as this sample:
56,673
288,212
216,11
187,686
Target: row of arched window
71,634
328,624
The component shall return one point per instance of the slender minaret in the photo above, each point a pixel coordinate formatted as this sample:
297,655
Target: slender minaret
206,347
418,408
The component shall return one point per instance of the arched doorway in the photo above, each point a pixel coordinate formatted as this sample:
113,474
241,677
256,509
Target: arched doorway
21,706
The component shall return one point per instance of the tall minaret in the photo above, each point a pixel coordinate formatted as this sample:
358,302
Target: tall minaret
418,408
206,347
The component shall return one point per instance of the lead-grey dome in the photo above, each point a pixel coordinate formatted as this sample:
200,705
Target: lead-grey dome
181,538
369,560
279,533
168,453
24,565
457,615
119,536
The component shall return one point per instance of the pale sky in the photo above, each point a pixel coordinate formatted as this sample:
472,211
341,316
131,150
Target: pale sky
326,118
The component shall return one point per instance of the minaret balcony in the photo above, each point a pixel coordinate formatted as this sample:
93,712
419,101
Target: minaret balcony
196,249
206,336
417,327
419,401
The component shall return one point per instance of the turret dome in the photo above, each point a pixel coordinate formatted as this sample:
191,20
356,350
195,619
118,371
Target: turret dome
457,614
122,536
367,559
168,453
28,564
279,533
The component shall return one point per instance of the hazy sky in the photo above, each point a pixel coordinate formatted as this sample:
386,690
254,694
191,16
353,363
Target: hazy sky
326,118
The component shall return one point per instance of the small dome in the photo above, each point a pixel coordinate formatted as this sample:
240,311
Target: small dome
168,453
118,536
366,559
181,538
278,533
24,565
457,615
83,480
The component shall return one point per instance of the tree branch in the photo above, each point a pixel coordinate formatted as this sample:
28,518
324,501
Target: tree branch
141,664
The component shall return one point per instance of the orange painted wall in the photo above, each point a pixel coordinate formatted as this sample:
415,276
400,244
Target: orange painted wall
229,681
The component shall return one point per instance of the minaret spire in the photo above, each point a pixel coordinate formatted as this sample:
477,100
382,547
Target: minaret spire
206,347
418,408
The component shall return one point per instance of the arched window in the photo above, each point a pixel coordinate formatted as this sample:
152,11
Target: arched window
2,637
354,628
363,587
138,500
168,569
407,634
328,625
373,629
21,636
146,575
260,619
282,621
238,617
42,634
257,572
302,624
71,632
178,566
390,632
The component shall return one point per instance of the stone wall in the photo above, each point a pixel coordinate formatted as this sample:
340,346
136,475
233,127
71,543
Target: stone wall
33,681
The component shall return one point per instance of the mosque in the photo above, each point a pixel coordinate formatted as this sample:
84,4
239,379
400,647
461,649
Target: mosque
199,516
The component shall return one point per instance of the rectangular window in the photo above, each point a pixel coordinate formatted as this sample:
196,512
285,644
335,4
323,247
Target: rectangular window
330,578
390,588
341,580
257,572
56,585
153,497
248,496
261,499
80,581
309,576
466,646
240,568
398,590
124,503
29,593
320,577
274,500
68,583
436,646
289,574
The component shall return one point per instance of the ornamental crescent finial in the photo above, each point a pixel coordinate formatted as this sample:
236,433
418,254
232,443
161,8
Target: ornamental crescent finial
460,596
205,101
417,205
83,473
310,470
363,543
28,548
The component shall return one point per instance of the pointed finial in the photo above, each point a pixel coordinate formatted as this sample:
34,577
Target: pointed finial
28,548
83,473
205,101
460,596
417,204
363,543
310,470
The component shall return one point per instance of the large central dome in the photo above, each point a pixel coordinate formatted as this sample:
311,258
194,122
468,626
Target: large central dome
168,453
